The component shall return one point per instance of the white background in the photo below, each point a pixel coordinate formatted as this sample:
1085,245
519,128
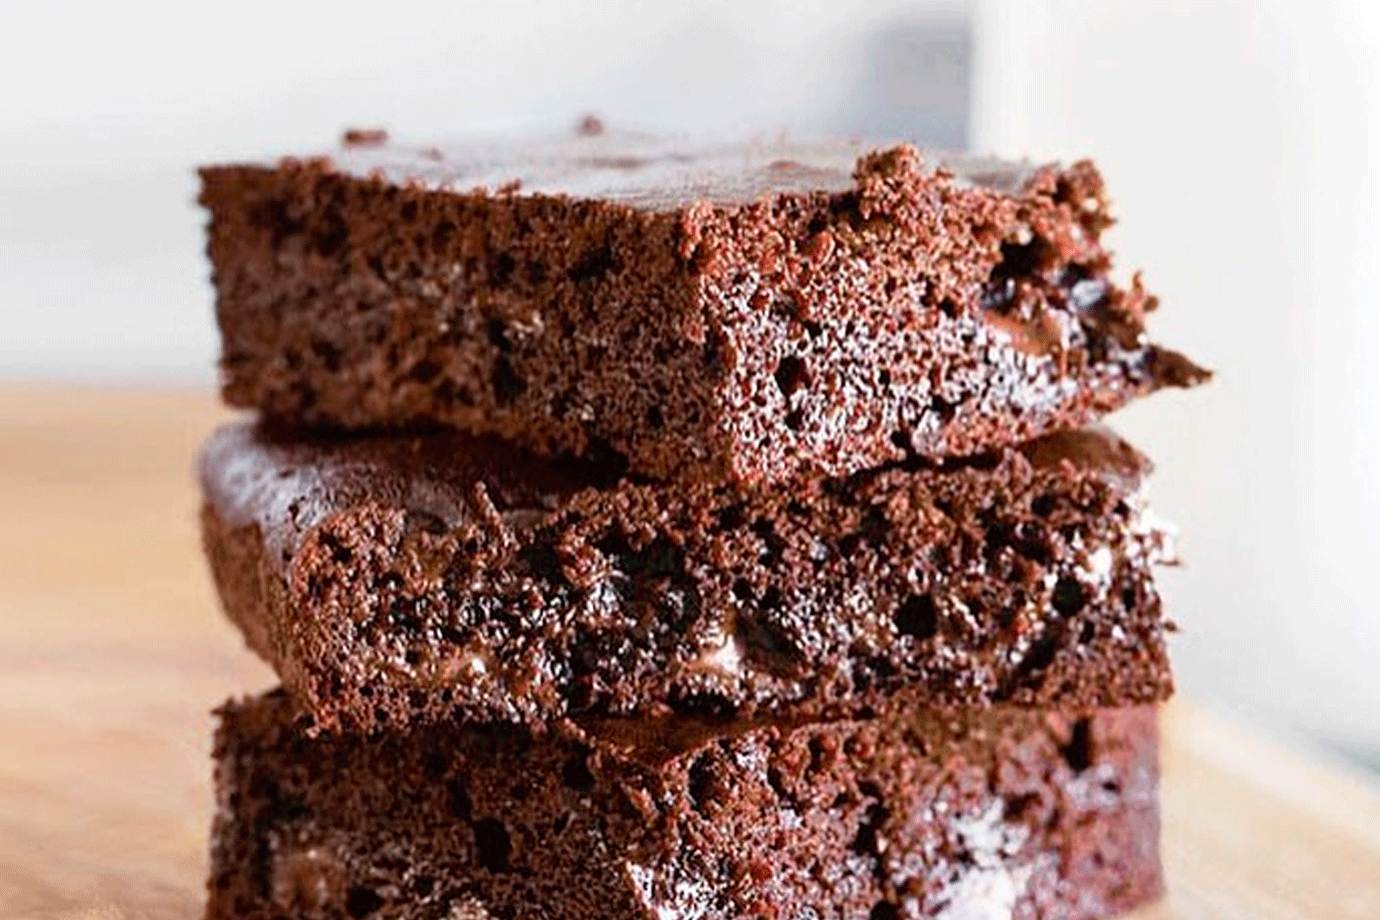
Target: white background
1238,136
1241,139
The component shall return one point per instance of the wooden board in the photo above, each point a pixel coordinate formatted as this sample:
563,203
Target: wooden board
112,654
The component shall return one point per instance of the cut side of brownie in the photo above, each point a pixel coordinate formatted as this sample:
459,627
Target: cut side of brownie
912,813
429,578
741,312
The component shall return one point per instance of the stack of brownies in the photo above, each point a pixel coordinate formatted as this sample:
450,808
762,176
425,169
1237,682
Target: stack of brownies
673,533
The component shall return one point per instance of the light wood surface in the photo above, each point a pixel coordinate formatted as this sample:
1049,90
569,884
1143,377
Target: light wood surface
112,654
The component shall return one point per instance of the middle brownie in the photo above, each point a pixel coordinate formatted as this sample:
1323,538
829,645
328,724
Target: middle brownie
407,579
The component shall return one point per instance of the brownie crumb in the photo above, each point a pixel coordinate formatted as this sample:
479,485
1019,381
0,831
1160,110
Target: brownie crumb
364,137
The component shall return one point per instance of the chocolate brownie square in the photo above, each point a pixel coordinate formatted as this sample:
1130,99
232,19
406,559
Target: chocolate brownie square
451,577
744,312
909,813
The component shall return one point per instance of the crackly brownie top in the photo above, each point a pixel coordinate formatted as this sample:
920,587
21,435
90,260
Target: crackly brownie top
643,171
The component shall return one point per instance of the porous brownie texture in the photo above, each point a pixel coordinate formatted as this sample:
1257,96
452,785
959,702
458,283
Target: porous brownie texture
431,578
911,813
739,312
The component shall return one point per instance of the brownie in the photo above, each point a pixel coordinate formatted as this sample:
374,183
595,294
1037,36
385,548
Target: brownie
449,576
911,813
745,312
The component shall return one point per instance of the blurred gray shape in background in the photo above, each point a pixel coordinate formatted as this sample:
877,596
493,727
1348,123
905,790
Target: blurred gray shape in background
912,81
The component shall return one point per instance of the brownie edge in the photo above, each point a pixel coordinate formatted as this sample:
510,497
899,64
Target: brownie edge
910,814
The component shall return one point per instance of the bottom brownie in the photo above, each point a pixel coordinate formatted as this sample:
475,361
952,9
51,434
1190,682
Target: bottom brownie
910,813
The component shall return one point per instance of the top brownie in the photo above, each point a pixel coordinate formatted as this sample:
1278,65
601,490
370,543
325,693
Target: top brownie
736,313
